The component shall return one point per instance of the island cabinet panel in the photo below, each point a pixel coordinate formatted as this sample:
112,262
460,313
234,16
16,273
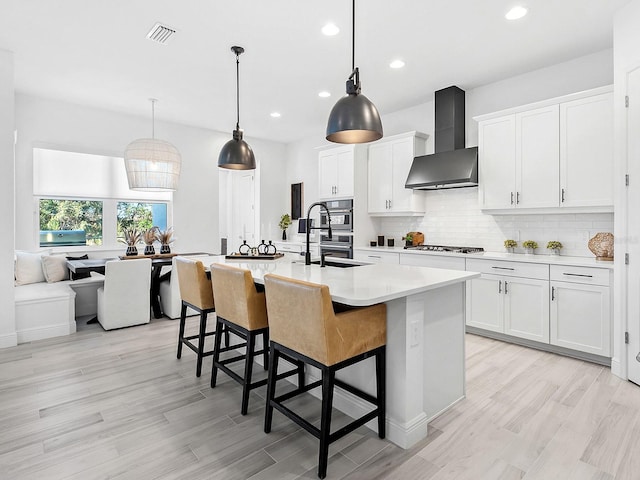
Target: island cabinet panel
581,309
336,172
547,156
389,162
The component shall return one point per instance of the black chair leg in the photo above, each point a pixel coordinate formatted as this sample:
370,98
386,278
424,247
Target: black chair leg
328,377
381,379
248,369
201,337
265,347
216,352
271,387
300,364
226,336
183,317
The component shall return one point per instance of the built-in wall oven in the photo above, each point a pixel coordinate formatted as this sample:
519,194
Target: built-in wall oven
341,242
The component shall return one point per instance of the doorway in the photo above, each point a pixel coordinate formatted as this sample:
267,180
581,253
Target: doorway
238,215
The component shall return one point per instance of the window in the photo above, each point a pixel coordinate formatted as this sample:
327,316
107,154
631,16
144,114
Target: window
84,200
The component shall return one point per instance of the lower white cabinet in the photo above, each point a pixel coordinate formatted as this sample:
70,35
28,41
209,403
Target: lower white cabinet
581,310
511,305
433,261
370,256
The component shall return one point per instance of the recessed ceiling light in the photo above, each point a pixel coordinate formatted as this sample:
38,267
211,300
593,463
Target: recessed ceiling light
324,94
330,29
397,64
275,114
516,13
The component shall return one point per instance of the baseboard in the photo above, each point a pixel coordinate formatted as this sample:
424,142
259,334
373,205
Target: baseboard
41,333
8,340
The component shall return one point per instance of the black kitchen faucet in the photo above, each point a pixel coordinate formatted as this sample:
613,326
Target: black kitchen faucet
307,253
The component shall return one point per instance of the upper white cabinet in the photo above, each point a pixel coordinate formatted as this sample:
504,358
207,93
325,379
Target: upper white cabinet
336,167
548,155
389,162
586,150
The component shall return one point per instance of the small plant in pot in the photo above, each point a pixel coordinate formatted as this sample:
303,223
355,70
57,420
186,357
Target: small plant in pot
149,236
529,246
285,221
408,238
165,237
131,238
510,245
554,246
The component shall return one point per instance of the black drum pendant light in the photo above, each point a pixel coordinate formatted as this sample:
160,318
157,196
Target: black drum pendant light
354,119
236,154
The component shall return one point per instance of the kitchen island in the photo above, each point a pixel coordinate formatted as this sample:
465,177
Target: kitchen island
425,335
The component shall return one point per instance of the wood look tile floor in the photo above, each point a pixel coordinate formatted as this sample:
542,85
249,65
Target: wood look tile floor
119,405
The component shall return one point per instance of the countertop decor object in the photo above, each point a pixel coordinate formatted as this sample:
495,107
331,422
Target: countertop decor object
529,246
554,246
354,118
236,154
152,164
509,245
416,238
285,221
601,245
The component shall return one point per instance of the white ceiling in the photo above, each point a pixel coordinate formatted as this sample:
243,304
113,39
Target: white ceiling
96,53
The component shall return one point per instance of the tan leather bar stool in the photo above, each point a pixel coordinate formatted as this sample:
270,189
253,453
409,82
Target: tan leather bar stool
304,326
242,310
195,292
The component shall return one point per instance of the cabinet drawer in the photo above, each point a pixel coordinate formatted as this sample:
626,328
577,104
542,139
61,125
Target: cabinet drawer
510,269
376,257
588,275
433,261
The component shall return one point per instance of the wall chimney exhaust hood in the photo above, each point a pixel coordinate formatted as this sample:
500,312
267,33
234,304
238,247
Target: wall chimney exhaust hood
452,166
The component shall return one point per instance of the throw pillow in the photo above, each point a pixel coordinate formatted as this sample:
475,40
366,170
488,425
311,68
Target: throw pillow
55,268
78,276
28,268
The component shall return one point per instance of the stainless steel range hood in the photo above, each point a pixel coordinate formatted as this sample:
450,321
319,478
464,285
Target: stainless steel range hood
452,166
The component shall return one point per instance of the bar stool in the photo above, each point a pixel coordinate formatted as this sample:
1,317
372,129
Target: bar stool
242,310
305,327
195,292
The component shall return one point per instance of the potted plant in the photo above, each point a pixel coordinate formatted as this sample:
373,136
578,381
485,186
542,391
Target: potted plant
131,239
554,246
285,221
149,236
165,237
408,238
529,246
510,245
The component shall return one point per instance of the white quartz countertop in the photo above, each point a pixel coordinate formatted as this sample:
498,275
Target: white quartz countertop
357,286
511,257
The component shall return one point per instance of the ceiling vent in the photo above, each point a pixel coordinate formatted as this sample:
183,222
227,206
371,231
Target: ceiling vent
161,33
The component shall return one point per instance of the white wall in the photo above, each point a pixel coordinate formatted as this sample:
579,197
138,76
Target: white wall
7,320
50,123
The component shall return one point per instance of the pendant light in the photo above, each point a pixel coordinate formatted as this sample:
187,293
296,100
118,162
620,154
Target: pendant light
236,154
152,164
354,119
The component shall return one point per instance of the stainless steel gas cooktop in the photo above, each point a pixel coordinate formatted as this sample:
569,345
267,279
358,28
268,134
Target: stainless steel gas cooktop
446,248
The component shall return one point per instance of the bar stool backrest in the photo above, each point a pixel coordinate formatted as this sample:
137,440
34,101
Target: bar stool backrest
237,299
195,287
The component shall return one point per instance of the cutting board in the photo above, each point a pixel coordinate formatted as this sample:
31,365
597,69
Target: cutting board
418,238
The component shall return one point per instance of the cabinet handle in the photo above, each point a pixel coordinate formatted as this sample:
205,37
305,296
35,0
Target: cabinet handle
500,286
577,275
517,198
562,198
511,198
503,268
374,256
553,293
389,203
505,287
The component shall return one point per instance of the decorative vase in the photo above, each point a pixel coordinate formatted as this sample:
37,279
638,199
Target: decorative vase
165,248
149,250
284,234
555,251
132,251
529,251
509,249
601,245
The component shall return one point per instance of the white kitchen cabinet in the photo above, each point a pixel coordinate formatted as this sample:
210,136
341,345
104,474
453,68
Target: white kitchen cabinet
581,309
510,298
586,151
389,162
549,155
294,249
370,256
433,261
336,172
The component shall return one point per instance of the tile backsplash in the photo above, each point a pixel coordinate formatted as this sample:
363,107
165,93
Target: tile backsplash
453,217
